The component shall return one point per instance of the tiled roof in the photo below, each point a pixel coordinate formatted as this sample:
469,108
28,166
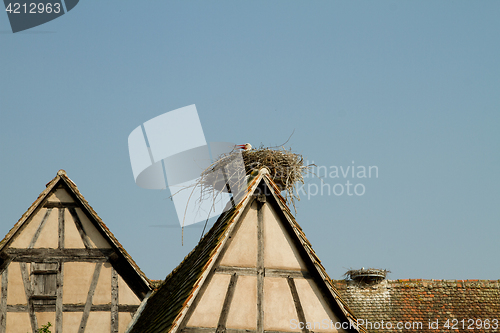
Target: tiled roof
156,283
167,303
413,301
166,306
62,178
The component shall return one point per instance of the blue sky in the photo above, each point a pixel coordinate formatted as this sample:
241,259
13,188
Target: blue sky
409,87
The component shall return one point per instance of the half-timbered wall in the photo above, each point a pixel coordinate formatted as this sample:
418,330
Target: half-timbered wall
57,269
260,283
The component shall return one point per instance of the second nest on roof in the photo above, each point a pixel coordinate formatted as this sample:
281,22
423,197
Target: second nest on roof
367,275
286,169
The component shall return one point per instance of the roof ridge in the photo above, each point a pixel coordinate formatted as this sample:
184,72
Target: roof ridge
48,187
62,176
310,251
179,292
104,227
167,306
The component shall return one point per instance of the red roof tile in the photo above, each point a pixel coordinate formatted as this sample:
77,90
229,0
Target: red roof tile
424,301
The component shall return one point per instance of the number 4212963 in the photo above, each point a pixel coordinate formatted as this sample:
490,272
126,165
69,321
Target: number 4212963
471,324
33,8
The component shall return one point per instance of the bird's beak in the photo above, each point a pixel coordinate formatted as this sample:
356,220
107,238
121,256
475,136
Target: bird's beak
240,146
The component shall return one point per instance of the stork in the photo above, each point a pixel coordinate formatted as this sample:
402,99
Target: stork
246,146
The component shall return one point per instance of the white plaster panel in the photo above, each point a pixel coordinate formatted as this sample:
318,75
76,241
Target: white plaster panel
96,238
124,318
72,238
316,309
76,284
102,293
279,250
60,195
279,308
71,322
43,318
243,311
99,321
49,236
24,238
15,286
125,294
242,251
208,310
18,322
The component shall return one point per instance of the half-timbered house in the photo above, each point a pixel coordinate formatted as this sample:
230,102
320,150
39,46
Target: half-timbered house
253,272
61,264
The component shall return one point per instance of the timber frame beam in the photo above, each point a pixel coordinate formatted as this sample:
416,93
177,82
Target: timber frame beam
49,255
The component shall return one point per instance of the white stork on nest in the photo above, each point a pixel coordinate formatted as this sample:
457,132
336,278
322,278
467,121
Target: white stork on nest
246,146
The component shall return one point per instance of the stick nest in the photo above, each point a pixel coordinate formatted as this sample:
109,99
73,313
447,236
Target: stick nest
367,274
286,169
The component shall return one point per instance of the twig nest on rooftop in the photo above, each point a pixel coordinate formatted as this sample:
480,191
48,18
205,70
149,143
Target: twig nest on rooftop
286,169
367,275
